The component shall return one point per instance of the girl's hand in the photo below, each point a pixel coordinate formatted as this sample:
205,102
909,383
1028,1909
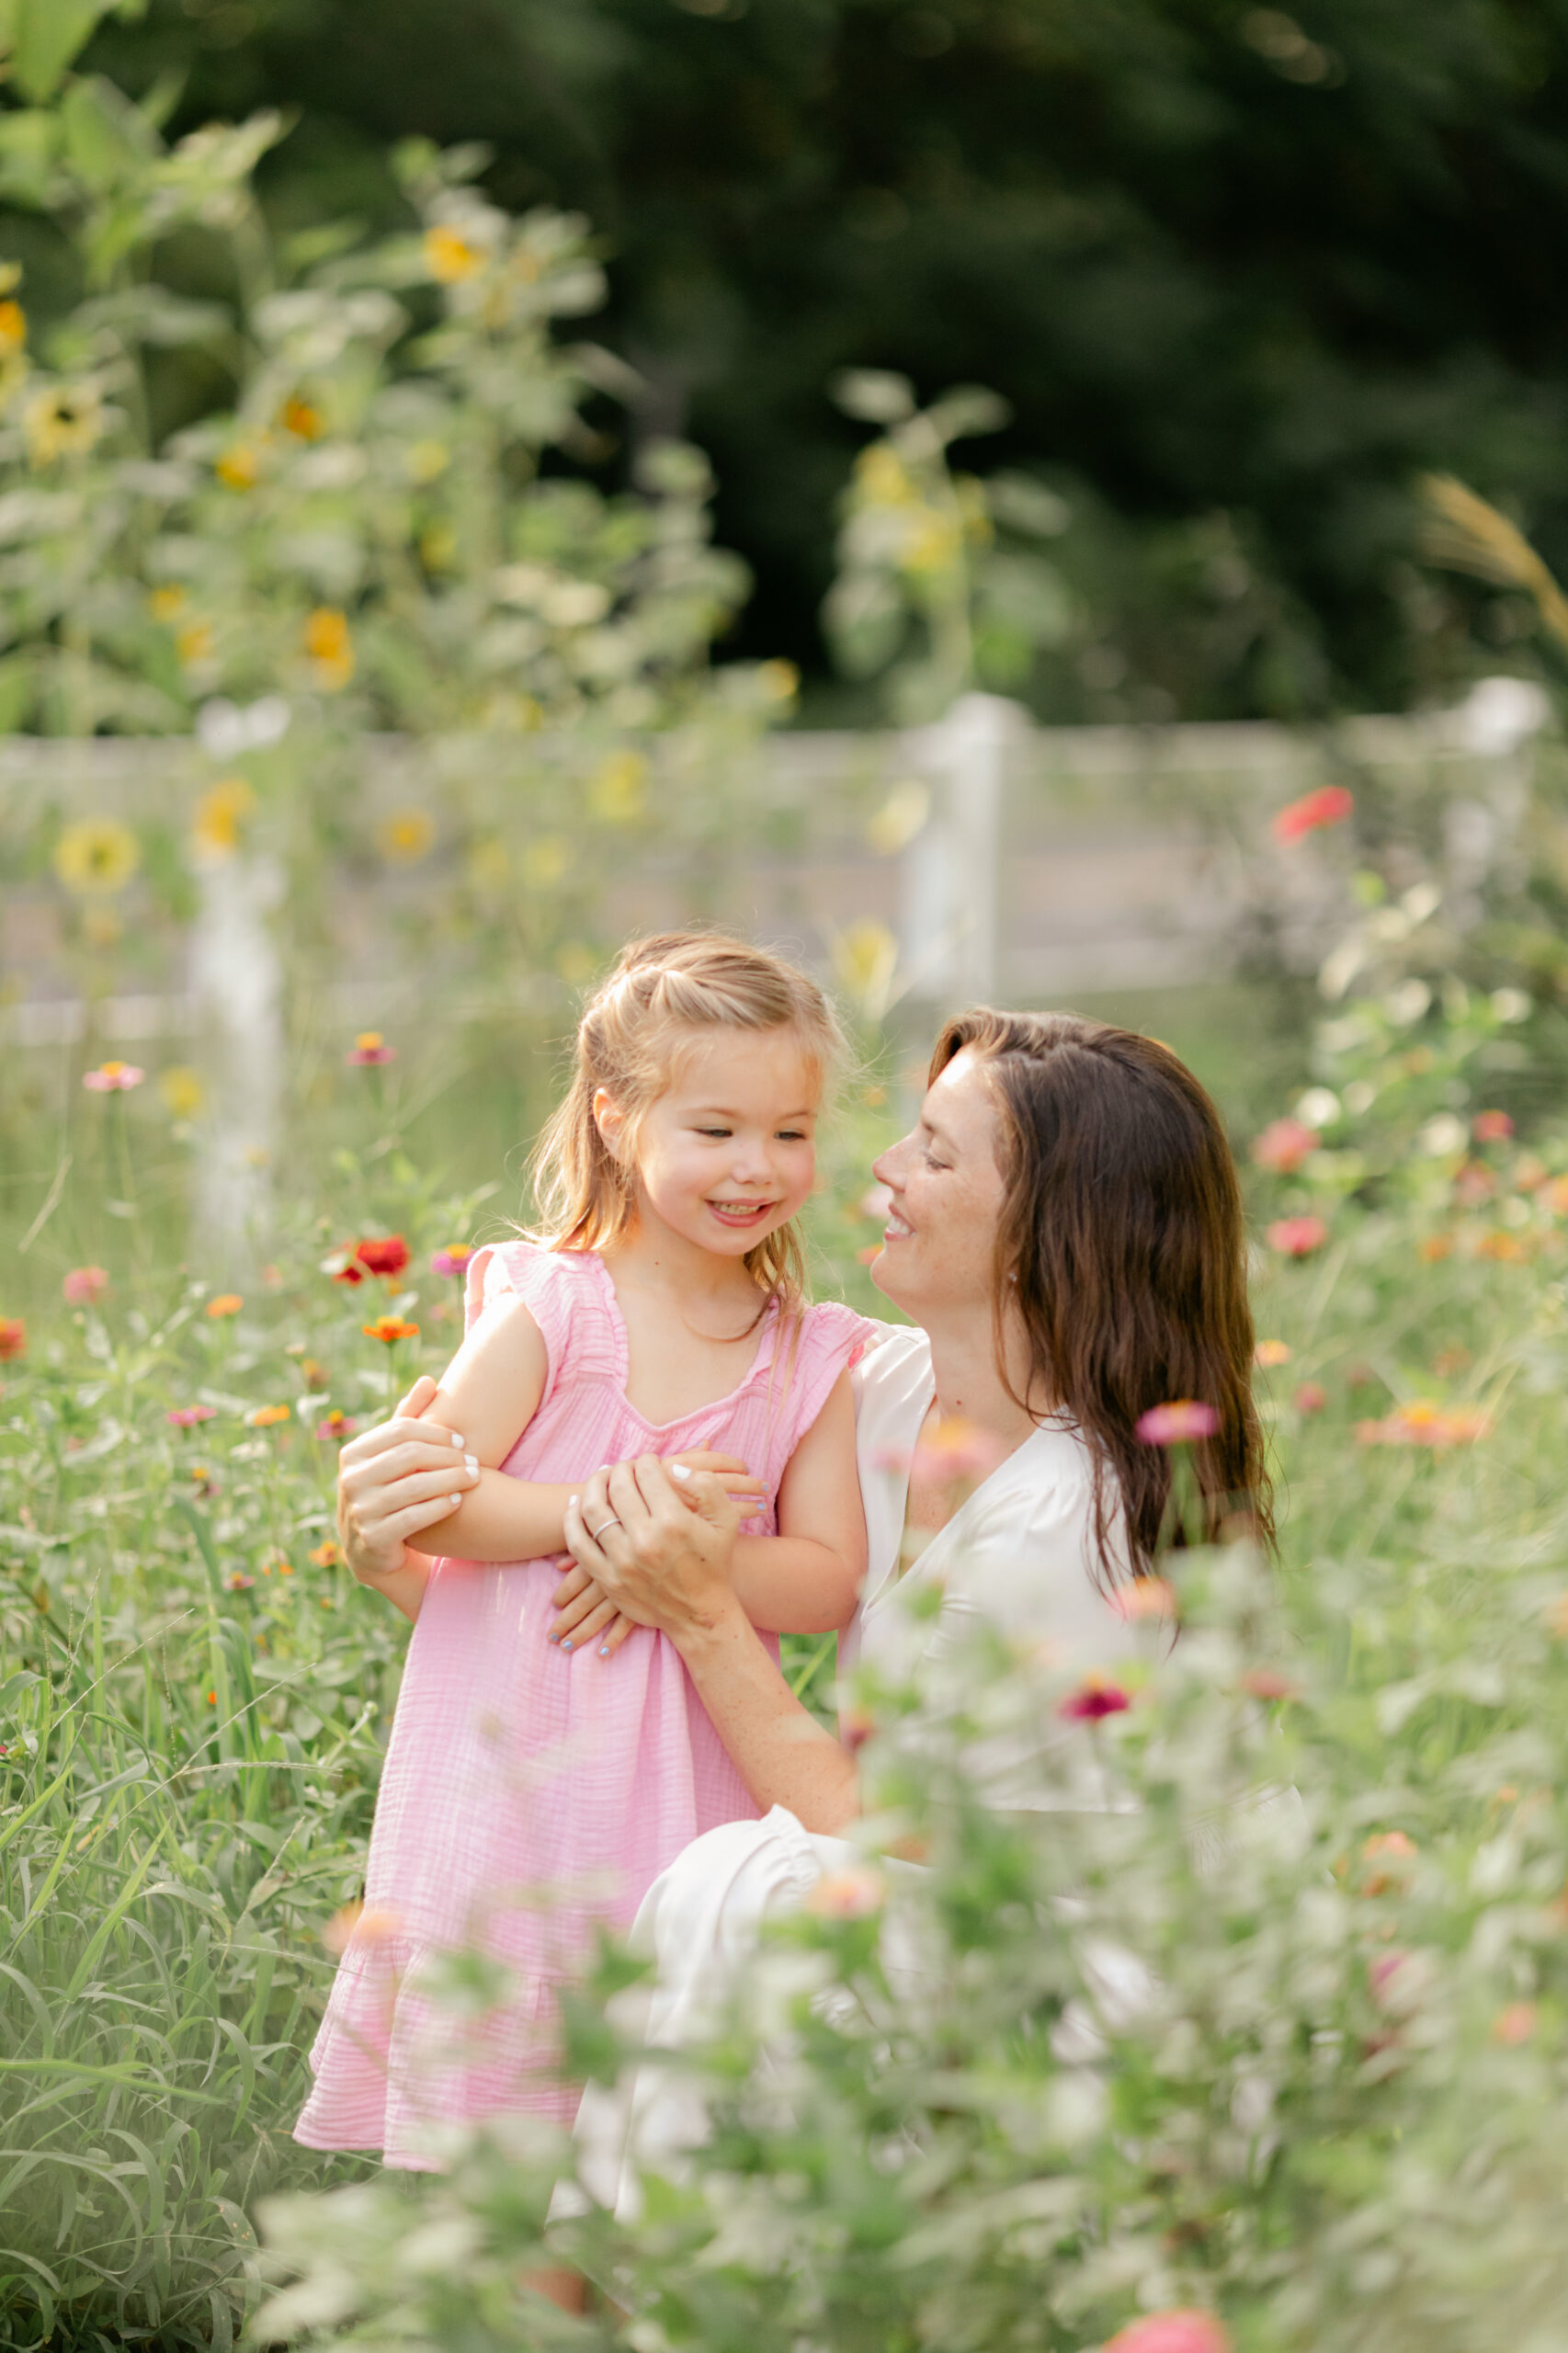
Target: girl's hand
585,1614
404,1475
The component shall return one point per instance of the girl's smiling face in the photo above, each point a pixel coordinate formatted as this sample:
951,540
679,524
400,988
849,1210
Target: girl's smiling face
939,1243
727,1155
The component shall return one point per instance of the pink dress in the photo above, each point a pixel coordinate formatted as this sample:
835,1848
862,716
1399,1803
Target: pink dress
531,1795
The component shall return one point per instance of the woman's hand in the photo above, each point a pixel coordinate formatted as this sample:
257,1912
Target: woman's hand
585,1614
657,1545
404,1475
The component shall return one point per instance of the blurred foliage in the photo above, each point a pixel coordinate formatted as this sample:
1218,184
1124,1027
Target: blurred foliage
1239,273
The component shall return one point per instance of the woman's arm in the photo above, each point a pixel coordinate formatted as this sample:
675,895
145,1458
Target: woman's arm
665,1562
491,1389
807,1579
392,1480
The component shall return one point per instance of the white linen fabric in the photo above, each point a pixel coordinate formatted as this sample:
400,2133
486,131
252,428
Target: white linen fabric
1018,1556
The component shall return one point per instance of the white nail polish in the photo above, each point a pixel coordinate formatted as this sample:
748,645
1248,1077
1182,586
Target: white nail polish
457,1437
456,1501
472,1463
679,1470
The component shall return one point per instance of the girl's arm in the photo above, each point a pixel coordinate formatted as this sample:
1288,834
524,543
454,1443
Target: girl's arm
667,1563
807,1579
491,1391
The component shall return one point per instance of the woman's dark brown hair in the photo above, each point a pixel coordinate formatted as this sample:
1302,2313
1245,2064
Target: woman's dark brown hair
1122,1242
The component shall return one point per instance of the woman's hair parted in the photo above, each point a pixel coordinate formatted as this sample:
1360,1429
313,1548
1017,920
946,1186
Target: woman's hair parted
664,993
1122,1244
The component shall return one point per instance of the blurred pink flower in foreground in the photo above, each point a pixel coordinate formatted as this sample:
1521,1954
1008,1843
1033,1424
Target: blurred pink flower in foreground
1311,1397
12,1337
85,1285
1283,1145
1329,805
1173,1423
1182,2330
185,1417
113,1078
1093,1699
1144,1598
453,1260
1492,1127
1297,1237
851,1894
369,1049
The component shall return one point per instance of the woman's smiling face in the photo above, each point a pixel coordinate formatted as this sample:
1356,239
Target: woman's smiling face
938,1245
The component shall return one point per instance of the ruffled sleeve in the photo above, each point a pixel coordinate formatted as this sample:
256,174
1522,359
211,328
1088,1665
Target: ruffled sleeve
552,1285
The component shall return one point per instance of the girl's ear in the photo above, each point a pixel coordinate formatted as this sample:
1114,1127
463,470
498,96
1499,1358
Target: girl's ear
611,1121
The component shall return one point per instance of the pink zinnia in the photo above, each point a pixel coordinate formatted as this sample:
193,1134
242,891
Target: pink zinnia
1492,1127
12,1337
1182,2330
453,1260
1094,1699
185,1417
1298,1237
1283,1145
1329,805
1173,1423
1311,1397
85,1285
369,1049
113,1078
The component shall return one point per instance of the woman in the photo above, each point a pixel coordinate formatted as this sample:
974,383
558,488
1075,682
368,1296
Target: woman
1065,1235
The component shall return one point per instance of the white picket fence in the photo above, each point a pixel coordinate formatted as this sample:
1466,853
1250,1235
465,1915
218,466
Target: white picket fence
1040,865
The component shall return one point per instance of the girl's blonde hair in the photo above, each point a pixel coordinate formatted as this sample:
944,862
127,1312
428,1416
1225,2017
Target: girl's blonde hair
629,1042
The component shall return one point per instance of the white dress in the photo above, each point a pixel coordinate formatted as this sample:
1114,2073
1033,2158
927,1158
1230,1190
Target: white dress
1018,1556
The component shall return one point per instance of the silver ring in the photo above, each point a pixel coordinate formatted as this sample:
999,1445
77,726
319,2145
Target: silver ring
596,1532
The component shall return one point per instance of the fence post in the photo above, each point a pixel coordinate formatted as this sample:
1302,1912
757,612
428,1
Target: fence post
236,978
950,920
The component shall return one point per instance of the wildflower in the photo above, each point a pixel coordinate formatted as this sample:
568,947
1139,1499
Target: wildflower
779,682
1311,1397
1387,1849
1172,1425
874,1204
1472,1184
267,1418
1329,805
1268,1683
212,1698
1508,1249
406,838
1144,1598
97,857
1530,1173
1184,2329
1269,1353
185,1417
62,422
369,1049
390,1329
1422,1424
237,466
1492,1127
1381,1972
365,1923
85,1286
1297,1237
1094,1699
220,815
113,1078
330,647
194,643
343,1265
325,1556
182,1091
616,793
855,1726
868,1252
851,1894
453,1260
1435,1248
301,418
13,328
166,601
450,257
387,1256
1514,2023
237,1581
955,1450
228,1302
336,1424
880,477
13,1338
312,1372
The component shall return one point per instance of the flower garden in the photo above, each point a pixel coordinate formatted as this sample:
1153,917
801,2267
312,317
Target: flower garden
1327,2107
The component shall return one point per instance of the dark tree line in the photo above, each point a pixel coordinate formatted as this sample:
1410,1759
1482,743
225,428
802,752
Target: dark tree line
1242,274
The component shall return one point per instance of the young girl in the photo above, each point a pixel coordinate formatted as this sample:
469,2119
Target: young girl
532,1790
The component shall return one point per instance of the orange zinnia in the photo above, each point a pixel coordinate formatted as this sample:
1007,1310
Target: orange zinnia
390,1328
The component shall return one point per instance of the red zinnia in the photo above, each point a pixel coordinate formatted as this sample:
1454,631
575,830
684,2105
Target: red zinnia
1329,805
12,1337
387,1256
1094,1699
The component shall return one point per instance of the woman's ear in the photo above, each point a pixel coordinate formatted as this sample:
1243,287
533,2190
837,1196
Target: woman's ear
611,1121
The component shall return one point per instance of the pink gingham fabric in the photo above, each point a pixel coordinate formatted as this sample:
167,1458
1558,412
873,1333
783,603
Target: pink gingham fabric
530,1795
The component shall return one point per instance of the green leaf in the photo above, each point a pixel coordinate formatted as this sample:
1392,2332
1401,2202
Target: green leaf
49,33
